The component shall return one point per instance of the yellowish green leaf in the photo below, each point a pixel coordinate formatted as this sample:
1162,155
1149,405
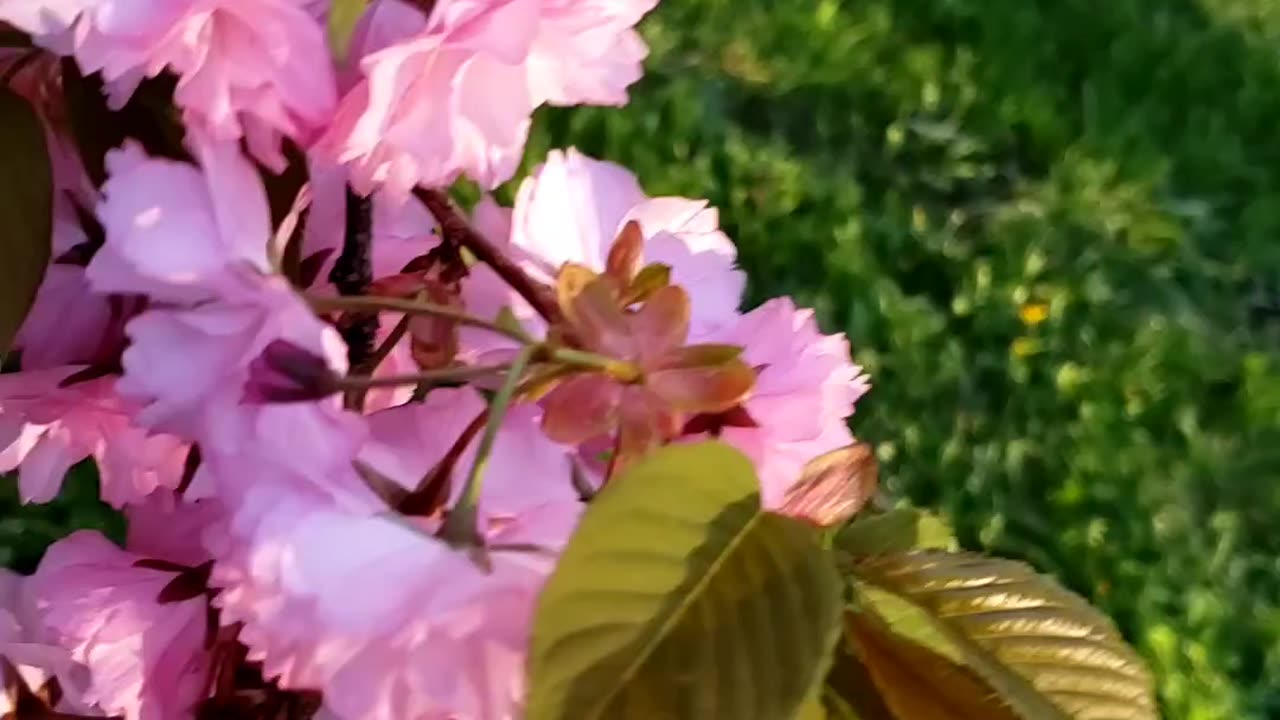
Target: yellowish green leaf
343,17
812,709
899,530
678,597
651,278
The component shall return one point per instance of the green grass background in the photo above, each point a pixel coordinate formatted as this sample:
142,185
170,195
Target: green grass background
919,170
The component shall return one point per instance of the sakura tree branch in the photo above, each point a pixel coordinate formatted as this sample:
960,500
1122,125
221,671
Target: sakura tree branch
352,272
455,229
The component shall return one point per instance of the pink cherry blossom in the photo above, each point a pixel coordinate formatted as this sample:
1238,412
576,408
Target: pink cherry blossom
457,95
140,628
167,526
175,231
492,220
325,538
524,470
196,238
45,428
70,324
806,387
28,649
389,620
256,69
571,208
189,369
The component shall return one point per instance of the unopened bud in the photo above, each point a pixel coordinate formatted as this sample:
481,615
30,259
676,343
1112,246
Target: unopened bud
286,372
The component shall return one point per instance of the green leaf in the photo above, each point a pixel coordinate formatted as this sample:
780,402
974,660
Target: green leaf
1042,648
915,682
507,320
343,16
650,279
26,212
900,530
678,597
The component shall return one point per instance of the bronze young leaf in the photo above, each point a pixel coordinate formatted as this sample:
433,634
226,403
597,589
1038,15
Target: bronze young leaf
833,487
915,682
1042,648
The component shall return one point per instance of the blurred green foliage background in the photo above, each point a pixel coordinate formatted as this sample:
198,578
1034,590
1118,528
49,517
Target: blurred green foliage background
1050,229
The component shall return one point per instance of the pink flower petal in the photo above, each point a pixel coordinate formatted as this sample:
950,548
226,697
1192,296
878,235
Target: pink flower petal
457,97
174,233
50,428
25,645
245,67
804,392
147,659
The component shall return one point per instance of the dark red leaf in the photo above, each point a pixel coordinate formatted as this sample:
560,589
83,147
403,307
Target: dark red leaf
626,254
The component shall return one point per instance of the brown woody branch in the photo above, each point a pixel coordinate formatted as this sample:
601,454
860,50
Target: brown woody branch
455,229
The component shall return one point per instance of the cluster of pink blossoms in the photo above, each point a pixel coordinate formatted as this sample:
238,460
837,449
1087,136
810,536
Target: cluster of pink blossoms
294,456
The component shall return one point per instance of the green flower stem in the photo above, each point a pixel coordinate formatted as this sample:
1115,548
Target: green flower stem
461,527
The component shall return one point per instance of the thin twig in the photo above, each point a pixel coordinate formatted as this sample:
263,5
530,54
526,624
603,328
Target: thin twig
381,353
455,228
432,491
435,377
413,307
